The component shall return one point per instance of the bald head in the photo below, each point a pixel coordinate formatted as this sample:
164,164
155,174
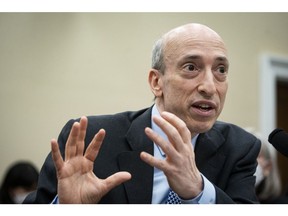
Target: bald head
174,38
193,29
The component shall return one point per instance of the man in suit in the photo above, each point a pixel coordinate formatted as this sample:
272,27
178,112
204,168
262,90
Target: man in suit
176,145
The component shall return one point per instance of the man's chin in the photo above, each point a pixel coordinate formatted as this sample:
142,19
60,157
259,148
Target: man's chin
200,127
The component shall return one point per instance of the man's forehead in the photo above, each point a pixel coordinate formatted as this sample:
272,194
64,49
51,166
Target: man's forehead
196,47
191,37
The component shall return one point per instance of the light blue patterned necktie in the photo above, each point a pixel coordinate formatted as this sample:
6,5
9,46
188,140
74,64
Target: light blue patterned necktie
173,198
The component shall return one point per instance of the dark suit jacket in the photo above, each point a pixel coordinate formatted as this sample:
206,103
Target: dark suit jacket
226,155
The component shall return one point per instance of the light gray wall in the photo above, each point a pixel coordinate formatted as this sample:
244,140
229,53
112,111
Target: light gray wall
57,66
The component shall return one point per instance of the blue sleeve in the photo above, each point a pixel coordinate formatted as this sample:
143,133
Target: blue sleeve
207,196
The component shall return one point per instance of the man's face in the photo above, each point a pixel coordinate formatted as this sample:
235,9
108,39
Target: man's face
194,84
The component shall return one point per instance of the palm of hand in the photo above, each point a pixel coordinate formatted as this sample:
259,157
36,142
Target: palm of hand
77,182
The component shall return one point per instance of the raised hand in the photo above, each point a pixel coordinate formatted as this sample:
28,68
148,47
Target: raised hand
76,181
179,166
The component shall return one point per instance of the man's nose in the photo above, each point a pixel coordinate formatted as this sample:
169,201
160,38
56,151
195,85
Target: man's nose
207,85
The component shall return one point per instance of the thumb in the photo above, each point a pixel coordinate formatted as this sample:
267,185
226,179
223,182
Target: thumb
116,179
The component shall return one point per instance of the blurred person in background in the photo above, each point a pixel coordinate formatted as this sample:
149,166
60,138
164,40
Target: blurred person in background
20,179
268,182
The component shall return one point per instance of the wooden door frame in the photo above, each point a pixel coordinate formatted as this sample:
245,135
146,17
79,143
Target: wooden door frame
272,68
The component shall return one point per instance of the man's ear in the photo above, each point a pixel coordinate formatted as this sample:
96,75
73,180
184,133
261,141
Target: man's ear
155,82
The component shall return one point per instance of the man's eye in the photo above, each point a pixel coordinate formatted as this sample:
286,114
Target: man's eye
190,67
222,70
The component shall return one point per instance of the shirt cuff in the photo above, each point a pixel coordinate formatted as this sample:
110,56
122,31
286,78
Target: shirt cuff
207,196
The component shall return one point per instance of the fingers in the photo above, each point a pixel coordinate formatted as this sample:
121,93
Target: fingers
75,142
81,136
179,141
56,156
179,124
116,179
70,150
175,129
152,161
93,148
159,140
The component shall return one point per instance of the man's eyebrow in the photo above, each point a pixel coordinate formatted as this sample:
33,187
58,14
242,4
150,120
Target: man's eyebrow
188,57
222,58
195,57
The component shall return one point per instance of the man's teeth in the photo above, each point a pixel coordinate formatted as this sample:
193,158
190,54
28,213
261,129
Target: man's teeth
204,106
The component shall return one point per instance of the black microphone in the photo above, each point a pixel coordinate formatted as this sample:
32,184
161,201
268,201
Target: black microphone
279,139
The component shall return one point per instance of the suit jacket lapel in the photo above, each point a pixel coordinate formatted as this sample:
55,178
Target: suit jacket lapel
209,159
139,188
